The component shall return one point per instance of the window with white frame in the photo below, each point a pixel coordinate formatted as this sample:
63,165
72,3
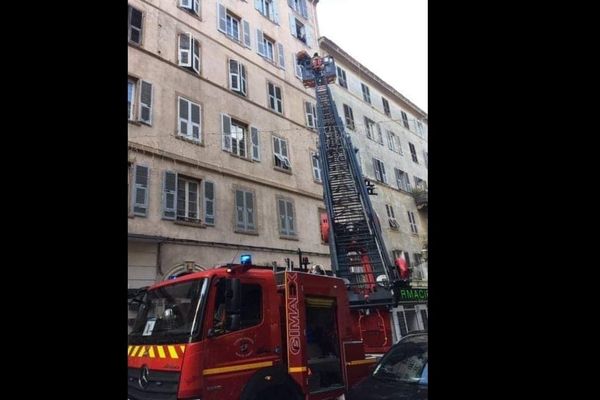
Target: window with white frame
349,117
139,100
394,142
239,139
391,217
182,198
310,112
298,67
420,130
280,153
370,128
341,74
365,92
386,106
245,211
237,77
268,8
267,47
192,6
412,221
413,152
233,26
135,21
316,166
188,199
275,98
379,170
300,31
402,180
285,208
189,52
190,115
405,119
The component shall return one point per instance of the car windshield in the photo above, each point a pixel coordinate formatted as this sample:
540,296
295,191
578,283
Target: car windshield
405,362
169,313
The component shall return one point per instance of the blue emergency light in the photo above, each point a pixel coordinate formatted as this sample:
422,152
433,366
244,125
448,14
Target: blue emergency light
246,259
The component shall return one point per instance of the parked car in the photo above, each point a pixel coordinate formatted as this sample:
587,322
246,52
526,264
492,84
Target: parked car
401,374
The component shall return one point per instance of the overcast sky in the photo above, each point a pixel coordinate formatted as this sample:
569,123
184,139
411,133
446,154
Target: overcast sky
389,37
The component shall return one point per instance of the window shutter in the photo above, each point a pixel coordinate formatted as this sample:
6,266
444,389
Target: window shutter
309,36
246,28
222,18
255,143
197,7
298,70
308,114
284,149
234,77
209,203
316,166
140,205
290,218
292,4
184,116
146,102
250,210
195,121
282,217
169,195
303,9
196,55
293,25
384,180
379,135
240,209
258,5
275,11
243,78
368,131
260,40
390,140
281,55
226,128
185,45
376,170
135,25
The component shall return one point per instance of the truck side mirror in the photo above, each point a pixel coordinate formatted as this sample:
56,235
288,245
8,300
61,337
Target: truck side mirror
233,302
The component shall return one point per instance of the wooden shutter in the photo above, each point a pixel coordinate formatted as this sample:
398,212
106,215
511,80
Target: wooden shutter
169,195
209,203
226,129
222,18
255,143
146,102
185,46
246,29
140,205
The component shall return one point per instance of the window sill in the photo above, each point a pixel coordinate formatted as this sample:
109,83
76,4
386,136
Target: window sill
192,224
247,159
285,171
243,232
188,140
135,44
134,122
287,237
191,13
317,182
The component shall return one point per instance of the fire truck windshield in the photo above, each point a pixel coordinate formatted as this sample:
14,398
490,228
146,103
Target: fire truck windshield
170,314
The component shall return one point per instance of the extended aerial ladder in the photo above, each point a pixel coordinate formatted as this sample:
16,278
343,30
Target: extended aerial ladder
356,244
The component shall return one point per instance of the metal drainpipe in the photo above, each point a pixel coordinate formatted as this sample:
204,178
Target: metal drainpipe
158,266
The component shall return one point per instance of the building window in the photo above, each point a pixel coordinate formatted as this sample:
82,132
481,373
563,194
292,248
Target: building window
310,112
141,177
405,119
379,169
371,132
412,221
266,46
394,142
391,217
237,77
402,180
188,200
189,119
189,52
386,107
268,9
341,74
299,6
349,117
420,130
426,158
366,93
245,211
236,140
287,226
280,153
420,183
135,25
316,166
193,6
298,69
233,26
139,106
275,100
413,152
300,31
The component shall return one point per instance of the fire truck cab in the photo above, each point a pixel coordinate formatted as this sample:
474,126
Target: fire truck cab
245,332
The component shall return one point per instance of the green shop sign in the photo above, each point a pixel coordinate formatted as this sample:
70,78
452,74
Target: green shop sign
413,294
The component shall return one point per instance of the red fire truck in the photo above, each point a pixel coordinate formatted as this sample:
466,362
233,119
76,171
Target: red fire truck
245,332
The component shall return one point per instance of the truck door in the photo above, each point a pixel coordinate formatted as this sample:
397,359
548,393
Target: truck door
233,357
